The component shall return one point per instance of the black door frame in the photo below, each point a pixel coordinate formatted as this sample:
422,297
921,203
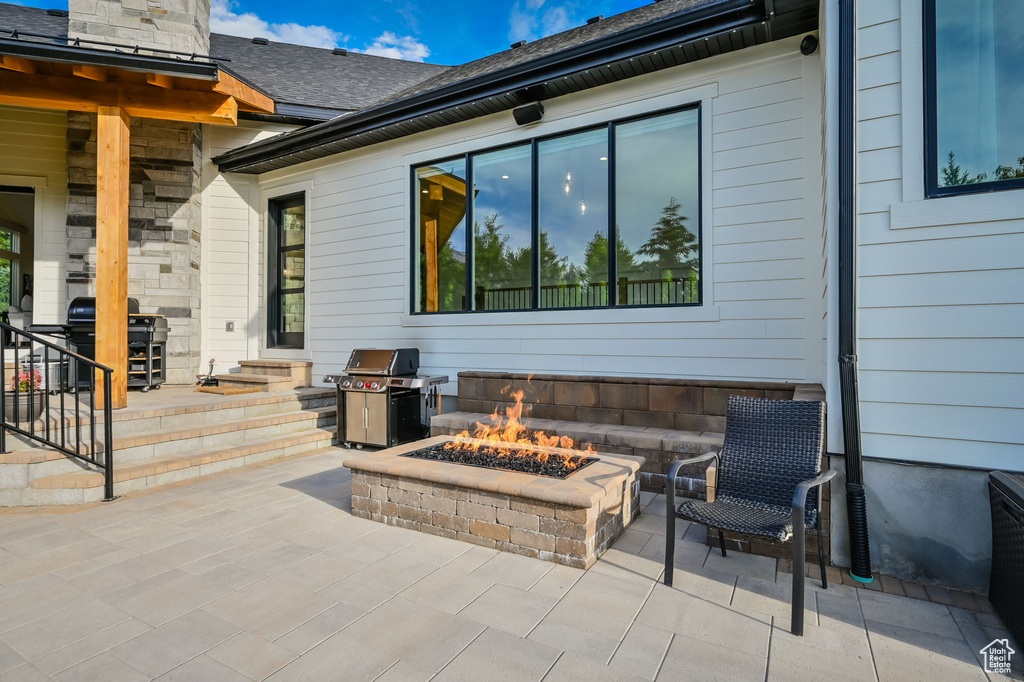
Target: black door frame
276,336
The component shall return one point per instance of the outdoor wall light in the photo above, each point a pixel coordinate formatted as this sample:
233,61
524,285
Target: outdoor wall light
528,113
809,45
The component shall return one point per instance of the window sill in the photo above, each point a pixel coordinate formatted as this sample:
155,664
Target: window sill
957,210
673,314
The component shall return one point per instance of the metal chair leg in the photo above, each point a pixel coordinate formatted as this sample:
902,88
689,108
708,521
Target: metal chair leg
797,619
670,521
821,550
721,541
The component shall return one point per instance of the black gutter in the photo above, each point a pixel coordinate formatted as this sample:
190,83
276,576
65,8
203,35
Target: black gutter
672,31
856,508
92,57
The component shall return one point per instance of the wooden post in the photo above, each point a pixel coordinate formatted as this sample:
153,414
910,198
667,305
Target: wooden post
430,247
112,249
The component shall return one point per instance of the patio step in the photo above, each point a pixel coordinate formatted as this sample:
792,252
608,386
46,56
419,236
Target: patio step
195,439
298,370
133,422
79,488
264,382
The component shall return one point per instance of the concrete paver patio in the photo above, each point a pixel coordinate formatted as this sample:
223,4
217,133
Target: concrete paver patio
262,573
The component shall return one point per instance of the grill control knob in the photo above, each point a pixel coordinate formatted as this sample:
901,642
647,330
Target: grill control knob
374,385
359,384
346,383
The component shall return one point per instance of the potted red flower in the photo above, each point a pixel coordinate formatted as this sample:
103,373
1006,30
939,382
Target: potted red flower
24,393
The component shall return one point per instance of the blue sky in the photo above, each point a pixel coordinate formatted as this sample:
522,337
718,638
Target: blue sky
441,32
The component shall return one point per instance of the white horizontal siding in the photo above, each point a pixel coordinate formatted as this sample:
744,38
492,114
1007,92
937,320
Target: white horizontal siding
33,142
941,307
764,240
230,229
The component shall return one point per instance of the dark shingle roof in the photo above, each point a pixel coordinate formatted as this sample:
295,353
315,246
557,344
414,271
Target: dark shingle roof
314,76
551,45
32,20
291,74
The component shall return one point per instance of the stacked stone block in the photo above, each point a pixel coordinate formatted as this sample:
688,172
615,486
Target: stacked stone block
164,227
563,534
179,25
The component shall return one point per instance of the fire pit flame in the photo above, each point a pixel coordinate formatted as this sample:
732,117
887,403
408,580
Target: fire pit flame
496,436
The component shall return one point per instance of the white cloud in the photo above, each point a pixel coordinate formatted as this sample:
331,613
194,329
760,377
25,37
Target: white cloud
390,44
533,19
249,25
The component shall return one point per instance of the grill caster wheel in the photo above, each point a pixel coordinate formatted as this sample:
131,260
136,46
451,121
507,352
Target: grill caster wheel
359,446
348,446
157,387
145,389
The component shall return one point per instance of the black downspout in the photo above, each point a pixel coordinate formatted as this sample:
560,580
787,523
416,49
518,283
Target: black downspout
856,511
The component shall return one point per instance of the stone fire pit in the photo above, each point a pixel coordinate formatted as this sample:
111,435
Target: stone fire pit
570,521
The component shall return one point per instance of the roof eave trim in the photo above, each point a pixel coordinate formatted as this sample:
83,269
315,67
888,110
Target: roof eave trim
133,62
637,40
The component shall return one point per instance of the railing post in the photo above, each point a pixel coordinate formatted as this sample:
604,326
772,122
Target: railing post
108,439
623,295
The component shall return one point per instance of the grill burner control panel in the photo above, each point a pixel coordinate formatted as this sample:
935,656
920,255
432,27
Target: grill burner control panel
380,384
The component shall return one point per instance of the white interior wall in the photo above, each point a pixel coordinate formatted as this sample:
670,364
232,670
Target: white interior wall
762,226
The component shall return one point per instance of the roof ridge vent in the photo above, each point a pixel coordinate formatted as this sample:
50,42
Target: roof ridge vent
594,20
57,12
340,51
517,44
260,41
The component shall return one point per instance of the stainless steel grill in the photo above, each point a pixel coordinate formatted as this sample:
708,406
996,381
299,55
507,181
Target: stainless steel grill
380,397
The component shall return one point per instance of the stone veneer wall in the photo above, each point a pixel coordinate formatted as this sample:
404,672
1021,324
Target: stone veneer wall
551,532
180,25
164,227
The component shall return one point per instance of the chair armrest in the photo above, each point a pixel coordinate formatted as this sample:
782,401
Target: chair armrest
670,479
802,488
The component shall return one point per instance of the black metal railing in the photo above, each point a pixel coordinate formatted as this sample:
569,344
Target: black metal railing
590,295
42,400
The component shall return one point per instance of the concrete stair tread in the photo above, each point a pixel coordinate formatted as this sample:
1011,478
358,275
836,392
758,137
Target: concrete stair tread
226,427
254,378
243,400
161,465
275,363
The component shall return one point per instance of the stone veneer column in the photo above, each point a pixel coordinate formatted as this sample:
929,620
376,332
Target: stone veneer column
180,25
164,228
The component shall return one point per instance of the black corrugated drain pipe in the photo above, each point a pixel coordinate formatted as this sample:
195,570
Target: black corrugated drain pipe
856,508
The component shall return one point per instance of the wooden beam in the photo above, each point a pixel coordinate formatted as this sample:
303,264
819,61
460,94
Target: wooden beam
247,96
93,73
17,64
112,147
76,94
160,80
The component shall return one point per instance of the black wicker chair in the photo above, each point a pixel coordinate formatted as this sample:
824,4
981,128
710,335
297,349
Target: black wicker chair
770,461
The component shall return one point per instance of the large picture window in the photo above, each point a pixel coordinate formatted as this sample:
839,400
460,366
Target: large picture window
974,95
602,217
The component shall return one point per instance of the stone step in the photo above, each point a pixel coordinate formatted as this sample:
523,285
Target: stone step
21,467
264,382
136,422
301,371
79,488
199,438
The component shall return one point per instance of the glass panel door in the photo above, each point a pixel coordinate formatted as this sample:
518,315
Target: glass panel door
286,275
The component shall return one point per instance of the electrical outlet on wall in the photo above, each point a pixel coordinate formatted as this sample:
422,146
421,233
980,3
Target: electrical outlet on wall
229,326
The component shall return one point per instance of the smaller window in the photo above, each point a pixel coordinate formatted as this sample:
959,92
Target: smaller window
974,95
286,272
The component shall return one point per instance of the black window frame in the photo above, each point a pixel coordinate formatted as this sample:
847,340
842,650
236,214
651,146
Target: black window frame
276,337
931,126
613,296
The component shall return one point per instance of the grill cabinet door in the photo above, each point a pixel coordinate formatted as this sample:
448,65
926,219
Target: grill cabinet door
355,424
376,419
